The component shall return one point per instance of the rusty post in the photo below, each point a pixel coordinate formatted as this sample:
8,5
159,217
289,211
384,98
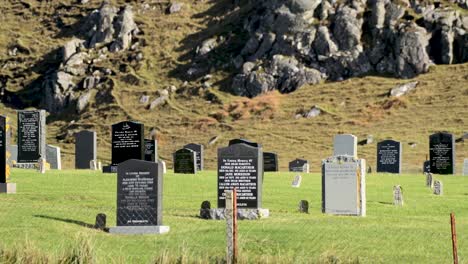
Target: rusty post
454,238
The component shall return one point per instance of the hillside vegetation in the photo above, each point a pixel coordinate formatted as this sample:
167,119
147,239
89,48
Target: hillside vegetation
196,111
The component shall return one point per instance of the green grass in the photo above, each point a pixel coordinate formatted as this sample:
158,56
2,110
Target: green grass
51,211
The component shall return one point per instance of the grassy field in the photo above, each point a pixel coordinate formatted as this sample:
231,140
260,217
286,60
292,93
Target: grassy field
52,213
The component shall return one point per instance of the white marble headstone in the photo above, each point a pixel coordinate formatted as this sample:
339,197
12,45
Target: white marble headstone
297,181
438,188
398,195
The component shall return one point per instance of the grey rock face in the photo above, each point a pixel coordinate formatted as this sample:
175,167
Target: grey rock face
410,50
125,27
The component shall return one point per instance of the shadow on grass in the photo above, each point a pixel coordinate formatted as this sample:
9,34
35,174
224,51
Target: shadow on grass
70,221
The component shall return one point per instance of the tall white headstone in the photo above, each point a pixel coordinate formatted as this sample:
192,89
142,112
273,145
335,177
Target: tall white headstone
345,144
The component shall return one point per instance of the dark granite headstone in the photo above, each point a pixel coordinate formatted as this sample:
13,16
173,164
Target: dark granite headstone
139,193
240,167
427,166
185,161
389,153
85,149
442,153
31,136
4,150
127,142
151,150
100,221
304,206
244,141
299,165
270,161
199,150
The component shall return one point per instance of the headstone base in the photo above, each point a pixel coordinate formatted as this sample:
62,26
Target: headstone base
109,169
9,188
242,214
26,166
139,230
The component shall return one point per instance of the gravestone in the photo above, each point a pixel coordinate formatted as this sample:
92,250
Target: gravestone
13,153
389,153
127,143
205,210
54,157
5,162
185,161
438,187
344,186
270,161
398,195
299,165
85,149
465,167
139,198
244,141
42,165
345,144
151,150
199,151
164,166
31,136
442,153
239,167
296,183
304,206
100,222
429,180
427,166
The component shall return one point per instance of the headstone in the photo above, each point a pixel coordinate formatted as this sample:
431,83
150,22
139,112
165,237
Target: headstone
205,210
296,183
427,166
93,165
345,144
389,153
5,161
199,151
465,167
304,206
42,165
85,149
398,195
31,136
127,142
139,198
299,165
429,180
101,220
270,161
99,166
244,141
13,153
442,153
185,161
344,186
151,150
438,187
54,157
239,166
164,166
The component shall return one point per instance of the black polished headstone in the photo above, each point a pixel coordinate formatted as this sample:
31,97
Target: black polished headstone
389,153
85,149
298,165
199,150
127,142
442,153
185,161
270,161
31,136
427,166
240,167
139,193
4,149
151,150
244,141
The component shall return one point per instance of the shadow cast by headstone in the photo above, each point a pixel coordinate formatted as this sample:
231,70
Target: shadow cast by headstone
386,203
70,221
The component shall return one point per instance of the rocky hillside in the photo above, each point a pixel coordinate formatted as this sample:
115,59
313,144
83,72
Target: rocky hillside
175,66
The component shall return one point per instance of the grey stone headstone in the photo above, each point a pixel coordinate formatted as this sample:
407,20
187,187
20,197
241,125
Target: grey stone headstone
54,157
14,153
139,193
240,166
296,183
31,136
438,187
199,150
344,186
398,195
85,149
465,167
442,153
389,153
429,180
345,144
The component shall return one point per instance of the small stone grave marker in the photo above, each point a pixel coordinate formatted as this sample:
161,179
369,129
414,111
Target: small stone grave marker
438,187
296,183
398,195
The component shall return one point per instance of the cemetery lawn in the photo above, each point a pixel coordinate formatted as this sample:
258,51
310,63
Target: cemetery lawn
52,212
